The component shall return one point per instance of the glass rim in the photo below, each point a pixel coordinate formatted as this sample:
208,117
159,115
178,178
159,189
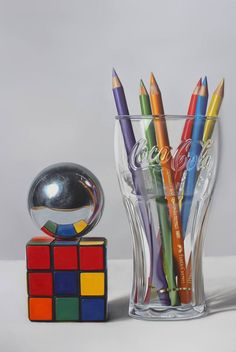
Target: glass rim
165,116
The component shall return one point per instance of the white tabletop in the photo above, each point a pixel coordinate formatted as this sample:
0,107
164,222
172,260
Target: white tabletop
216,332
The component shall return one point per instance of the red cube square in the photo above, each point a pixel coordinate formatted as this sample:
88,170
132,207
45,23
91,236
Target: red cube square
40,284
65,257
38,257
92,258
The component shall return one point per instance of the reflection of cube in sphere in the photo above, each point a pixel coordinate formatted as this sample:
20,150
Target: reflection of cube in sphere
66,200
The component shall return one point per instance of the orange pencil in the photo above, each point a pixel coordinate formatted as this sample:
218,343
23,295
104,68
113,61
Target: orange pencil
170,192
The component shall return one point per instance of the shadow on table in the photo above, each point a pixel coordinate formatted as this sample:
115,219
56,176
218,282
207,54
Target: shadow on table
118,309
221,300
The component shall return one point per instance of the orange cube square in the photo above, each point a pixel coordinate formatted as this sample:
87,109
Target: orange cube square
40,309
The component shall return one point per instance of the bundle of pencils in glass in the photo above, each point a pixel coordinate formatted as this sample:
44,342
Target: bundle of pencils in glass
175,180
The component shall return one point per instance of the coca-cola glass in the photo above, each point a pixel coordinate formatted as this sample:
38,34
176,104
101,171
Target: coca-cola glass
166,184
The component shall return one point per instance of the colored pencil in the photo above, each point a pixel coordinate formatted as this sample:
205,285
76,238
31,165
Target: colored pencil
195,150
213,110
157,276
181,157
163,215
187,130
170,192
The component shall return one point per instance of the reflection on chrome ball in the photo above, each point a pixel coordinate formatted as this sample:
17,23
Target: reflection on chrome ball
66,200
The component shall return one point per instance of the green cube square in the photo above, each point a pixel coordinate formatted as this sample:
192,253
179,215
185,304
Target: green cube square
67,309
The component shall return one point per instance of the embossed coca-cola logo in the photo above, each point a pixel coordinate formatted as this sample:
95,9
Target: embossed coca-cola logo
141,157
180,158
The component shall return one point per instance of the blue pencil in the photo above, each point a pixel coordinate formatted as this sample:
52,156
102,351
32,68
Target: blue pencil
195,150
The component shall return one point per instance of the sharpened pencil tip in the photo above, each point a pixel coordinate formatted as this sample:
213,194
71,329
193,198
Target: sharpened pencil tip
143,90
114,74
154,88
199,83
220,88
152,78
116,83
198,87
204,82
203,91
222,83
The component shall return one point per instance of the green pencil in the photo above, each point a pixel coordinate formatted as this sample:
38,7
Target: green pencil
163,214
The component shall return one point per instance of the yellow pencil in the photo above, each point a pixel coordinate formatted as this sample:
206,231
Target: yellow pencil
213,110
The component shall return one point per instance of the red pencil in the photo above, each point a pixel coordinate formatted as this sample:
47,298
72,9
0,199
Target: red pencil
187,131
180,158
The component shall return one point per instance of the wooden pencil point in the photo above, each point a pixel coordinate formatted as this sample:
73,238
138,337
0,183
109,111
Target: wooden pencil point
220,88
199,83
116,83
154,88
152,79
204,82
203,91
143,90
198,86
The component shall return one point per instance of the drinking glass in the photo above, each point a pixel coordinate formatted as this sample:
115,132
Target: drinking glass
166,215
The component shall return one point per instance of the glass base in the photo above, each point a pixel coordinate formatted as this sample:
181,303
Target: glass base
167,313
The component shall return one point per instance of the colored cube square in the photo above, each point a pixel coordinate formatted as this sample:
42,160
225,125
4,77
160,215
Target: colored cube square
40,284
92,284
40,309
38,257
91,258
65,257
66,283
67,309
93,309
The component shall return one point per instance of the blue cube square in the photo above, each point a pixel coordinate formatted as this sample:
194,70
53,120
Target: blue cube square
66,283
92,309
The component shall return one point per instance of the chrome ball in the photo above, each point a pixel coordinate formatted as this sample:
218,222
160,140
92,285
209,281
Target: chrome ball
66,200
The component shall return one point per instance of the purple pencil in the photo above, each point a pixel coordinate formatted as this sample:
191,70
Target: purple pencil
157,276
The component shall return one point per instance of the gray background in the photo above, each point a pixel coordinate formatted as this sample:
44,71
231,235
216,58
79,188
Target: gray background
57,105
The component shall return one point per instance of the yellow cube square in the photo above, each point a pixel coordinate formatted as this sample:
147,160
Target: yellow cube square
92,284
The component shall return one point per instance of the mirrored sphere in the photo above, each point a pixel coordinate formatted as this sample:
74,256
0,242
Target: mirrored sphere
66,200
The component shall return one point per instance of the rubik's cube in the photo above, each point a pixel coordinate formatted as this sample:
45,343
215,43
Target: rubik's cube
67,280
